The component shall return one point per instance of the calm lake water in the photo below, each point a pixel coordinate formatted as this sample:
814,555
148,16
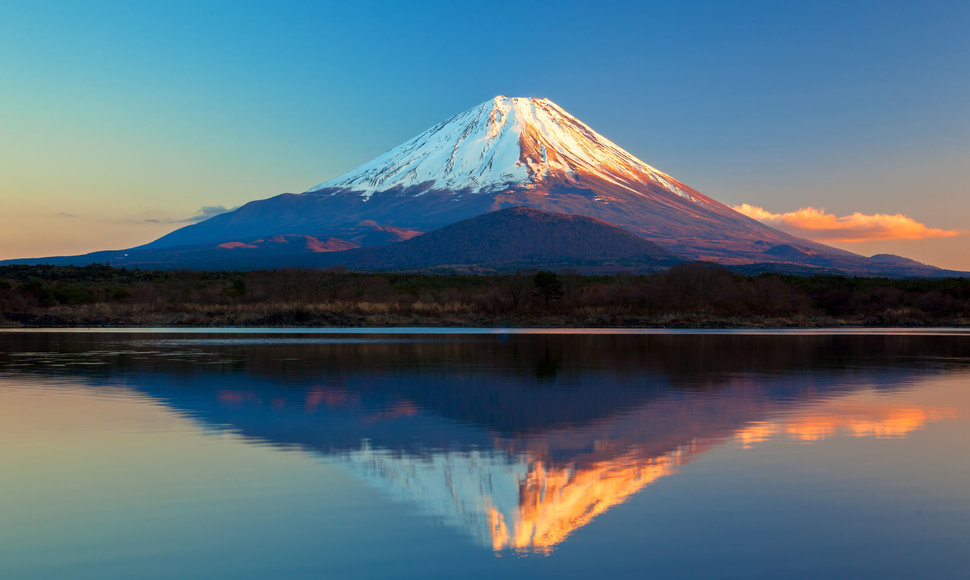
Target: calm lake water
223,454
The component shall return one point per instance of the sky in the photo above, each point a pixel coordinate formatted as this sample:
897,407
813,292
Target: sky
844,122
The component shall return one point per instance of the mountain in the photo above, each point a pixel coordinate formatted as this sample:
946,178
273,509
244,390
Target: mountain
506,152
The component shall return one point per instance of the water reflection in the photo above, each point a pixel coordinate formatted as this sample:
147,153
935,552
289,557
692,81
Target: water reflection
517,440
857,420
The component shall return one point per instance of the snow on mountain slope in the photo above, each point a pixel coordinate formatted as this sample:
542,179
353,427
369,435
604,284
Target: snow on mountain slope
503,142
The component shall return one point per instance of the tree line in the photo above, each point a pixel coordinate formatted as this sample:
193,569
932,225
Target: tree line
697,294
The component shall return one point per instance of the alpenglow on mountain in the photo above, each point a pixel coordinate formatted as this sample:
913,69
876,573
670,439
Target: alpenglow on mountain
505,142
505,152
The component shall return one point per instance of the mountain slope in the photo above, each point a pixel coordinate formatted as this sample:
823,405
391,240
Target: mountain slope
509,239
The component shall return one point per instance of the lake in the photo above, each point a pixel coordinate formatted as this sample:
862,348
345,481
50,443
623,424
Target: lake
422,453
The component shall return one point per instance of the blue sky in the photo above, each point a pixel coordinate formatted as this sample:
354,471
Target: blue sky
118,120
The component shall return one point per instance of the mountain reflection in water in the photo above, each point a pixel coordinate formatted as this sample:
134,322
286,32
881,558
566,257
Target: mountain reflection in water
522,439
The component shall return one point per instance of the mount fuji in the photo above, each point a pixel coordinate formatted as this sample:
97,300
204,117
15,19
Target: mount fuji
506,152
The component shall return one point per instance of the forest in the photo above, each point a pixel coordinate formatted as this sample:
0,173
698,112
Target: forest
695,295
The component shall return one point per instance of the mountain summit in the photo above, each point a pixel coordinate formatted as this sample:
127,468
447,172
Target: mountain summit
503,142
505,152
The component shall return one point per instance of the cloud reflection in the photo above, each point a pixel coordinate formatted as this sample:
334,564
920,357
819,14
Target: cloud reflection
873,420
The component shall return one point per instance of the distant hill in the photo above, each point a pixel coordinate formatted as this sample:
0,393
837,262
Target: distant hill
508,239
513,235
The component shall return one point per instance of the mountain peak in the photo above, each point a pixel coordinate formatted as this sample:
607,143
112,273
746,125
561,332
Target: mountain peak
503,142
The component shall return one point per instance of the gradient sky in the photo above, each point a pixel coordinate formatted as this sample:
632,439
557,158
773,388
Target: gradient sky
121,121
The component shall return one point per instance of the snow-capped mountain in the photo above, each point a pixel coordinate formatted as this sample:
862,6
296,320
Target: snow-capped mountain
505,152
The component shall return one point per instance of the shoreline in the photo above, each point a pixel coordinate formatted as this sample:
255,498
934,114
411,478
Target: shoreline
383,323
453,330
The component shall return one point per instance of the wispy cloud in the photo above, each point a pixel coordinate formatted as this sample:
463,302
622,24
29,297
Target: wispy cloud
816,224
207,212
204,213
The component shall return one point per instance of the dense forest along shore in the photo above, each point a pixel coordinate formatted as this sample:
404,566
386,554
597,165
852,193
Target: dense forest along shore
697,295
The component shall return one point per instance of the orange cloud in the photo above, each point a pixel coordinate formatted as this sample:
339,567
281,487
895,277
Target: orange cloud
815,224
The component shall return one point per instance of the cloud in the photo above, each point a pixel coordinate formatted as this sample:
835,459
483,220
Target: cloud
816,224
204,213
207,212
